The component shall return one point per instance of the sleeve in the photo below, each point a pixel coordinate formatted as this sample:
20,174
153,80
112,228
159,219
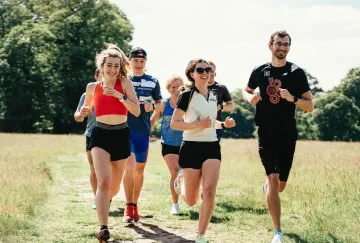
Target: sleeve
302,81
253,80
156,92
81,102
184,100
226,95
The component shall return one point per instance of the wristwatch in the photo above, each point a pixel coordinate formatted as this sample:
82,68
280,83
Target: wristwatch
295,99
123,98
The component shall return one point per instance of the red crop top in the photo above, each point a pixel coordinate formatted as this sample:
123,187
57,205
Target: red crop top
108,105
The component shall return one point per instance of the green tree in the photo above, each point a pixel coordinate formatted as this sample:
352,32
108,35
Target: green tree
243,114
350,85
25,65
337,118
47,58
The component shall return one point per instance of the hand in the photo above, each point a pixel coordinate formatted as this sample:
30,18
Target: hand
255,98
148,106
85,111
285,94
229,122
112,92
205,123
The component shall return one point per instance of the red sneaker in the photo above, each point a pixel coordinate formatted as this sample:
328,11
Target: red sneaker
136,214
128,214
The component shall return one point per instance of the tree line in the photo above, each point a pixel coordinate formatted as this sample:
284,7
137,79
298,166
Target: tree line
47,50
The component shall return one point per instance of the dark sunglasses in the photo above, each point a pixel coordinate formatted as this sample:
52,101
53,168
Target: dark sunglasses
200,70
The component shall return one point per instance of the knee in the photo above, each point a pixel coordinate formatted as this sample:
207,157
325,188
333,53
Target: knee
273,181
208,194
104,183
191,202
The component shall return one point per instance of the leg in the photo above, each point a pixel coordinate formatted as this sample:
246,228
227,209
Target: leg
172,162
139,180
102,169
210,176
190,188
129,179
117,172
273,199
93,181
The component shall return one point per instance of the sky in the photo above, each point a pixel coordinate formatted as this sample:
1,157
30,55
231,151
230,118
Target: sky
235,33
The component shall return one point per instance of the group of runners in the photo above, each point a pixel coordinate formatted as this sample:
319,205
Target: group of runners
124,103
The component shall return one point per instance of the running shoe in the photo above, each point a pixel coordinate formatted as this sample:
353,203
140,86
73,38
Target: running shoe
200,239
104,235
175,210
136,214
265,188
178,181
128,214
278,238
94,205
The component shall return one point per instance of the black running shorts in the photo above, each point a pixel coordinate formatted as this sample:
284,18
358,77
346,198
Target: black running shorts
194,154
169,149
276,150
114,139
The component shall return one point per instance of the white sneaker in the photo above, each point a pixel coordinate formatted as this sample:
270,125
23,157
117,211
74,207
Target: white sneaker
278,238
265,188
94,205
178,181
175,210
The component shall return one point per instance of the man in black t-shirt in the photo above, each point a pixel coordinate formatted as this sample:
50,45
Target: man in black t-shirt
223,96
282,86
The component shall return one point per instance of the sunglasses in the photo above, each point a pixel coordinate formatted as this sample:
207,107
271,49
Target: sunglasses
200,70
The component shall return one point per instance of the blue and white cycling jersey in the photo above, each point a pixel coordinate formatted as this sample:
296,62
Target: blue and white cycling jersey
147,88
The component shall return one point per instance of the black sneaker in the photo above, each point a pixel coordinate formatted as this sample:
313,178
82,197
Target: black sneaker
104,235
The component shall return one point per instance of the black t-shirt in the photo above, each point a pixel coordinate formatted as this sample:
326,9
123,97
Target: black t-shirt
222,94
273,111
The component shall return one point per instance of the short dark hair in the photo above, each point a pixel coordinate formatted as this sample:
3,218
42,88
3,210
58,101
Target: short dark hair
281,34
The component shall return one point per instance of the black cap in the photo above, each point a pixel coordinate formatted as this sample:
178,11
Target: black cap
138,52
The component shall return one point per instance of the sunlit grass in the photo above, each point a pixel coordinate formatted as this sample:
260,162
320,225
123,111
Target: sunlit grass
320,203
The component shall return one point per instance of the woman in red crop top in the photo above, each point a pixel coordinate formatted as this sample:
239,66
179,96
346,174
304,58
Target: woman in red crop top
112,98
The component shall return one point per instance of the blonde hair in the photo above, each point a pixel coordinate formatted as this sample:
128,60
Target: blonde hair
113,51
173,79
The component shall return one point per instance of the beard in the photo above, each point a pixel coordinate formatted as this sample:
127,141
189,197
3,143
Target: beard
280,56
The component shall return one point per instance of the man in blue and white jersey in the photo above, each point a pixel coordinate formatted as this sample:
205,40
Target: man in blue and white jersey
147,89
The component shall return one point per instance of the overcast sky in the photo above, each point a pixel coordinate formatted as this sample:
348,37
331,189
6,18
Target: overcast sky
234,34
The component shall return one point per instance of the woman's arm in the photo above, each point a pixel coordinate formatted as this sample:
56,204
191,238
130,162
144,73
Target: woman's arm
178,124
132,102
228,123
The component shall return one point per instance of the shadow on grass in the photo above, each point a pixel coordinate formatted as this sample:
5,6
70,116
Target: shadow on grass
120,213
228,208
334,239
158,234
216,220
296,238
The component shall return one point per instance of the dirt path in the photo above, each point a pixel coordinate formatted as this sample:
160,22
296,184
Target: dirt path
67,216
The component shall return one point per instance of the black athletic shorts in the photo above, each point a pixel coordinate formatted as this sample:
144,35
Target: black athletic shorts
114,139
87,145
194,154
169,149
276,150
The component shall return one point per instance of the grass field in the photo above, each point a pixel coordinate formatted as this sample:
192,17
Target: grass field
45,195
